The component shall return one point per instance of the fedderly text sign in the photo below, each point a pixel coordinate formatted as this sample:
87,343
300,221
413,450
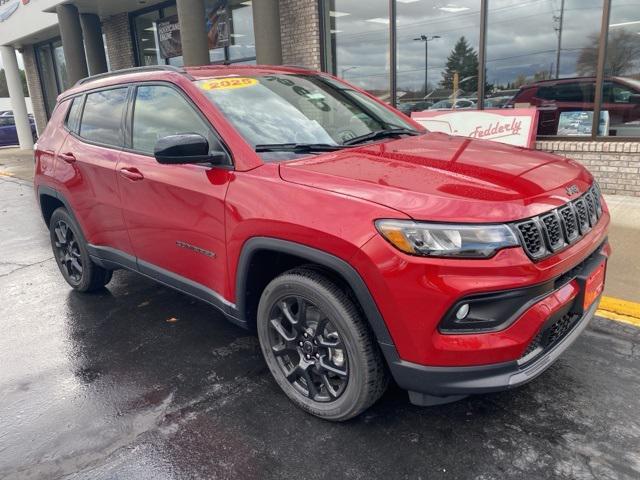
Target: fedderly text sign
515,126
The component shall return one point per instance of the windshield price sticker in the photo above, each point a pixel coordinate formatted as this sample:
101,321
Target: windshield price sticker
228,83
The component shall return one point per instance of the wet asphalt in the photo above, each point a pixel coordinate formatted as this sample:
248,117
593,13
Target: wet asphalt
141,382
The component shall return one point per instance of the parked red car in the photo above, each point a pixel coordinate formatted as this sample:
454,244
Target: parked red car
357,244
620,98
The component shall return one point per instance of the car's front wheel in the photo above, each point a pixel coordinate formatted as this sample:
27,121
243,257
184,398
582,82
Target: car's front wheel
72,256
318,347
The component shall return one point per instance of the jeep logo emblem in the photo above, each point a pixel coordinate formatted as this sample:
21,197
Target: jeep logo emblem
572,189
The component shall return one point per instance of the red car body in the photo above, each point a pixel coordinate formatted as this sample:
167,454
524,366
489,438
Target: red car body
321,209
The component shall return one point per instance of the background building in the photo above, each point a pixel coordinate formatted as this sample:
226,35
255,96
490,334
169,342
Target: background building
580,57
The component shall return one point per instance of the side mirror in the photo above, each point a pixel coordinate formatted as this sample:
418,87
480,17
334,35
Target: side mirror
186,148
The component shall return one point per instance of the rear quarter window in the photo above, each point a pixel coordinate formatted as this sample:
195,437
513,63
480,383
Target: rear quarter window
73,117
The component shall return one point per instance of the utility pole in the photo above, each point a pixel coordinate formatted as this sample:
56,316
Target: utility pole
426,39
560,21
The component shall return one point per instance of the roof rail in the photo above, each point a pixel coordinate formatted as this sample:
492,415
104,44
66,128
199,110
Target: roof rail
147,68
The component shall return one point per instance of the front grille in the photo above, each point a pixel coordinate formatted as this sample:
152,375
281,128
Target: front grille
552,231
552,334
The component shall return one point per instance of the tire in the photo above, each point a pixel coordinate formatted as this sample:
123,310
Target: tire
338,355
71,254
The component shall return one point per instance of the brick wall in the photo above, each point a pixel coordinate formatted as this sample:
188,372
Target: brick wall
300,33
35,87
117,33
616,165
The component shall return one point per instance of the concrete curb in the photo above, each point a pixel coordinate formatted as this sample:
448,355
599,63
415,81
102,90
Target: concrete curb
619,310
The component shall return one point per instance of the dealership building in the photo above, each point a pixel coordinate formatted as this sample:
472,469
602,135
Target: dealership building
576,61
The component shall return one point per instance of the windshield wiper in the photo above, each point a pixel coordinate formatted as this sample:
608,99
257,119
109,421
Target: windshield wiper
298,147
376,134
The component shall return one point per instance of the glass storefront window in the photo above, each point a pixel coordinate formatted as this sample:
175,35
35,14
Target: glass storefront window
229,25
242,45
60,65
437,48
357,35
47,76
620,110
146,38
53,72
537,53
543,54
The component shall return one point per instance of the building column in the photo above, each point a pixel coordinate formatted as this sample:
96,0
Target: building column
266,28
195,47
16,94
93,43
72,44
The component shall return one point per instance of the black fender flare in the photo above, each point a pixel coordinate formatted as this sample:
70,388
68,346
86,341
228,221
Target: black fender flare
313,255
46,190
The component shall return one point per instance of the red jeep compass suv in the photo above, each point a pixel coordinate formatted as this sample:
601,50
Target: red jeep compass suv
358,245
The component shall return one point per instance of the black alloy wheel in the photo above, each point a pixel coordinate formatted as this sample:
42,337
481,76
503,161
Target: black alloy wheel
318,346
308,349
68,251
72,256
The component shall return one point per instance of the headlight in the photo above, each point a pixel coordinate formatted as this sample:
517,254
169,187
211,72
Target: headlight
443,240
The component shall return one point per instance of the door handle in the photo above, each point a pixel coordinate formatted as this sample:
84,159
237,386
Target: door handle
67,157
131,173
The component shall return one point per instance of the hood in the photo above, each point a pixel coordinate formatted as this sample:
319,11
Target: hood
443,178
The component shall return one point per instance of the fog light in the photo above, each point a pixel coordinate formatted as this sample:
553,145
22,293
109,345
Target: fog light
462,312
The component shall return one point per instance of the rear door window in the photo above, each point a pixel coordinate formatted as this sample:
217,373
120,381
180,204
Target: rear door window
102,117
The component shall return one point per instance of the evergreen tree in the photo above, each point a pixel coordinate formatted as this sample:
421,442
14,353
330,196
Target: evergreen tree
464,60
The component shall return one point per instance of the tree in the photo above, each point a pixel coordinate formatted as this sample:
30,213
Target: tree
623,50
464,60
4,89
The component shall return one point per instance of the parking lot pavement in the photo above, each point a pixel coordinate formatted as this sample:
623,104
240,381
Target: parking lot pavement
139,382
16,163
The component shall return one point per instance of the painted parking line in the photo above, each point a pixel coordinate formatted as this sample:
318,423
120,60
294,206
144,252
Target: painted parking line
619,310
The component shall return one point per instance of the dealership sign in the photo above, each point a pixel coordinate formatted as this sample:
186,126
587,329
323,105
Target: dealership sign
7,7
515,126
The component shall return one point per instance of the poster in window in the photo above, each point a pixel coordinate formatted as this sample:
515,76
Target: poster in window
579,123
217,24
169,40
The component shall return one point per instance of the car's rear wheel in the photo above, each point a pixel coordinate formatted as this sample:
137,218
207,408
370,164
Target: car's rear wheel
72,256
319,349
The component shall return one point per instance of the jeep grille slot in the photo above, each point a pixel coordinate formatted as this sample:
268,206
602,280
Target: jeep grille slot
552,231
568,216
531,238
583,215
555,236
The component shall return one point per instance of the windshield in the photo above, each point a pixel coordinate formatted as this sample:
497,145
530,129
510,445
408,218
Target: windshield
297,109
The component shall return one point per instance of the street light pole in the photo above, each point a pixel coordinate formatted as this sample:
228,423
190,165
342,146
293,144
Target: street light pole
426,39
345,70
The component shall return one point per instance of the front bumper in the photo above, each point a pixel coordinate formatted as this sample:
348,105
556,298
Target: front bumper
451,383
